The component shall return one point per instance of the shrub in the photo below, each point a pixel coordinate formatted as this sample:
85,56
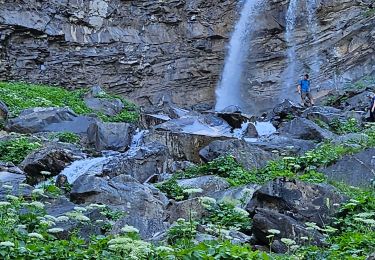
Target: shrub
66,137
16,150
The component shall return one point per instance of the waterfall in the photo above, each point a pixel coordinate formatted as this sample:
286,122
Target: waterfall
312,27
228,91
290,80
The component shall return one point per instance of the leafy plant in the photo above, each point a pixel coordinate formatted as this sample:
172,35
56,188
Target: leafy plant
172,189
66,137
344,127
15,150
182,232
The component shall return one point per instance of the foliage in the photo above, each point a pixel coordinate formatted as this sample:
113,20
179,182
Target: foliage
15,150
344,127
182,233
20,96
66,137
172,189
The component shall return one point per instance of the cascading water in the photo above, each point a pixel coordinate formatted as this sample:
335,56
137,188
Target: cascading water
228,91
290,75
313,31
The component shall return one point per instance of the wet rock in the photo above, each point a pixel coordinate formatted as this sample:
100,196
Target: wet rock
250,156
51,119
209,184
265,220
10,167
52,159
354,170
251,131
301,201
142,210
287,109
301,128
140,163
235,119
4,111
110,136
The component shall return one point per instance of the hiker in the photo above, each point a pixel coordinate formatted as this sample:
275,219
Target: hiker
372,107
305,91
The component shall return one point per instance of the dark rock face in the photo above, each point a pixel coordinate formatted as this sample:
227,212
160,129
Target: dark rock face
355,170
302,201
141,163
4,111
250,156
301,128
143,210
51,119
110,136
323,113
52,158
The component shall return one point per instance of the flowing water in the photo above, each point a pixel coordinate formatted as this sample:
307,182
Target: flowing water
312,27
228,91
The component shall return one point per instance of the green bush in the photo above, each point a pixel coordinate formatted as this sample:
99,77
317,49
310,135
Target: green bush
172,189
66,137
16,150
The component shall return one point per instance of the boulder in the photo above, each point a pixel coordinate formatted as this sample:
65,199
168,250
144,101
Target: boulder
265,220
359,102
142,210
351,138
249,155
287,108
241,196
51,119
10,178
235,119
355,170
301,201
106,106
4,111
322,113
301,128
251,131
148,121
110,136
52,159
141,162
191,208
209,184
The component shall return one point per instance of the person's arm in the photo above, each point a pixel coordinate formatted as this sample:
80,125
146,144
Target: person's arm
299,88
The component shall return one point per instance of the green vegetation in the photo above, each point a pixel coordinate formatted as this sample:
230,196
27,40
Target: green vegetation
15,150
172,189
66,137
344,127
20,96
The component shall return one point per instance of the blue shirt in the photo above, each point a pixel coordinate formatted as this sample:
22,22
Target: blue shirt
305,85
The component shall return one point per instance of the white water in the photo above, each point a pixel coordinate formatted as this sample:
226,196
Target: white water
290,75
228,91
312,27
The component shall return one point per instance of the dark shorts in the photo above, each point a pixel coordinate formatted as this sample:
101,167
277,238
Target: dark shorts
306,94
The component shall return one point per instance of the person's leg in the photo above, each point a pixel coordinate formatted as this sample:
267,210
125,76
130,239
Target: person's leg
311,98
303,97
372,117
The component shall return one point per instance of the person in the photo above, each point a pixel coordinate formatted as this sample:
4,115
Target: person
304,90
372,107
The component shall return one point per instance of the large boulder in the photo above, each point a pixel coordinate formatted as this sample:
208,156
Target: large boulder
141,163
209,184
302,128
359,102
52,159
354,170
50,119
241,196
249,155
4,111
186,209
322,113
142,209
11,174
110,136
302,201
106,106
285,110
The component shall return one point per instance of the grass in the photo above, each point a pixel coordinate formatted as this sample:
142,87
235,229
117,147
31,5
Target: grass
20,96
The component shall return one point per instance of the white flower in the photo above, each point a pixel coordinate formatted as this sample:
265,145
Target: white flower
129,229
62,219
192,191
94,205
288,241
7,244
99,221
45,173
274,231
55,230
38,192
21,226
49,217
119,240
8,187
82,218
80,209
207,201
5,203
35,235
48,223
164,249
37,204
24,185
11,197
241,211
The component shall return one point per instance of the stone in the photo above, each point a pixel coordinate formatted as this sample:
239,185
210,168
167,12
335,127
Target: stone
7,177
186,209
140,163
354,170
251,131
301,128
287,108
209,184
4,111
110,136
322,113
148,121
241,196
301,201
142,210
52,159
250,156
359,102
351,138
106,106
51,119
235,120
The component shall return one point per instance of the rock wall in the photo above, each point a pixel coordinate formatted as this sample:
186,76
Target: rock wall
149,49
143,49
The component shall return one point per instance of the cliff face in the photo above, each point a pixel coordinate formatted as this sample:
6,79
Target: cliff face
147,49
143,49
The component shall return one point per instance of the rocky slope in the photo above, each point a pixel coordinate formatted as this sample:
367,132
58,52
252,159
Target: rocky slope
147,50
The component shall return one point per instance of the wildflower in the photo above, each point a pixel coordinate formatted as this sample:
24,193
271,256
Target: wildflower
164,249
38,192
8,187
99,221
129,229
94,205
55,230
304,238
62,219
49,217
80,209
47,173
82,218
241,211
207,202
288,241
24,185
7,244
274,231
4,203
21,226
11,197
48,223
37,204
192,191
35,235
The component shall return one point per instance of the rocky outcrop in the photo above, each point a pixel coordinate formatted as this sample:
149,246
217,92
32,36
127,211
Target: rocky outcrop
208,184
4,111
